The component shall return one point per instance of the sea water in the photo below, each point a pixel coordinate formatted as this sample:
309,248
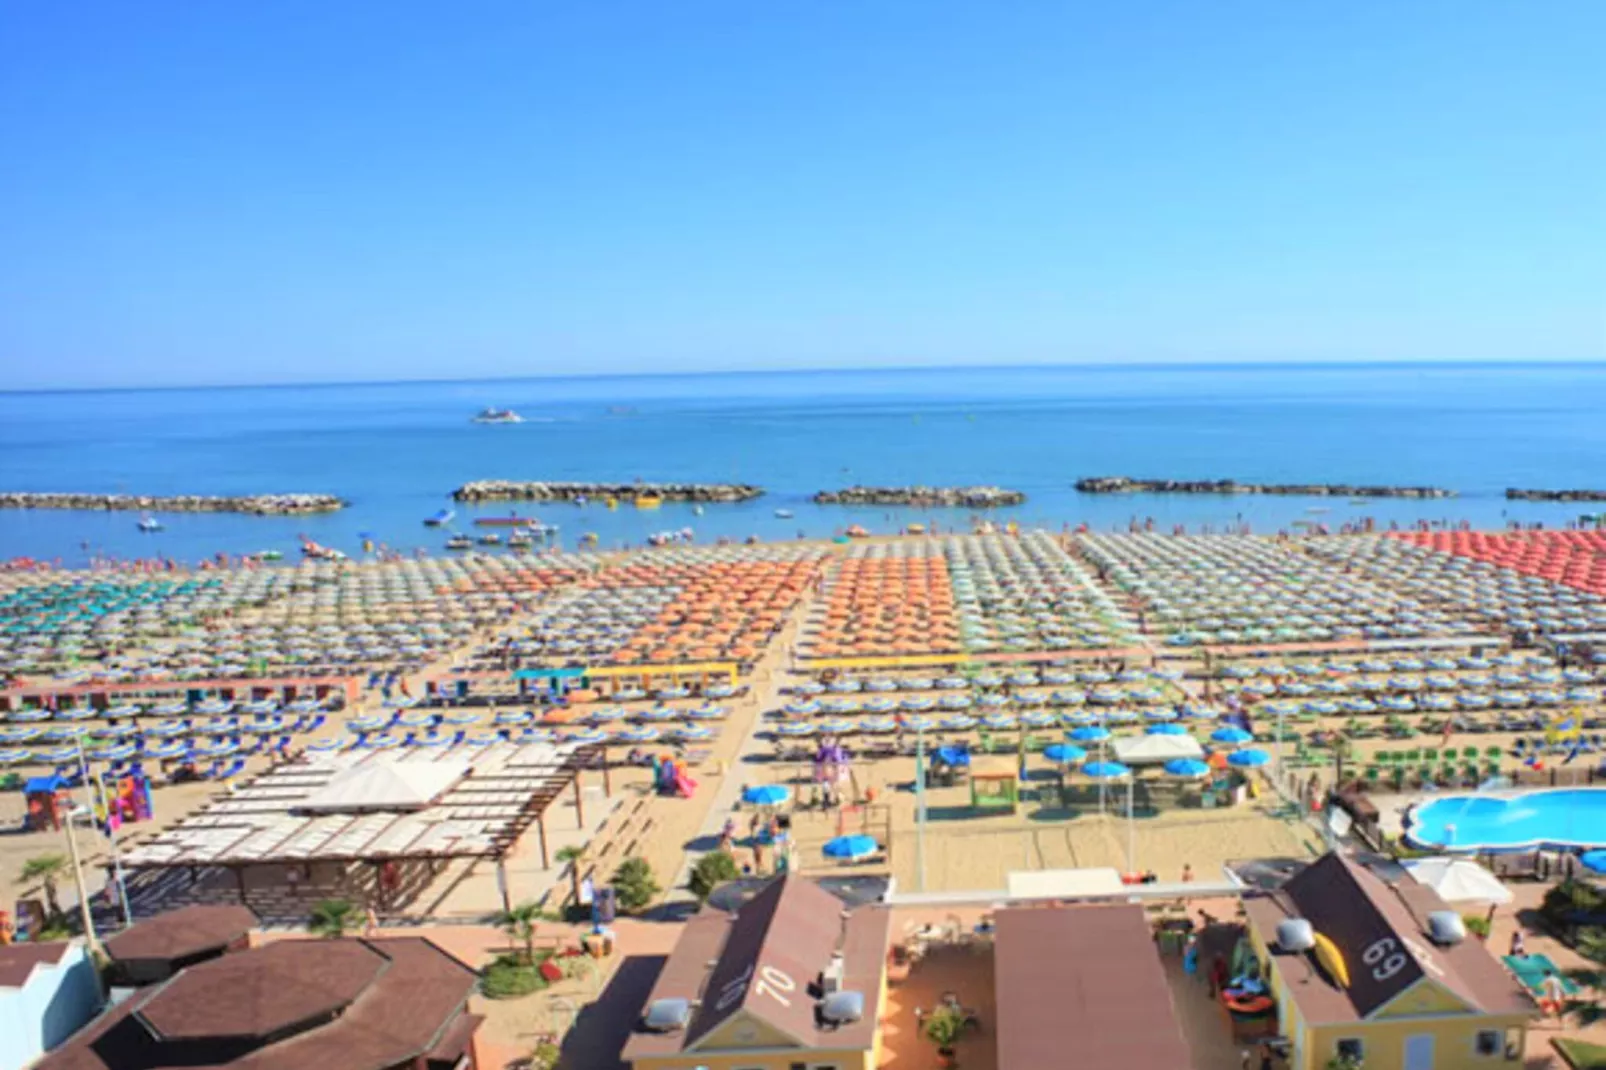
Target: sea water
397,450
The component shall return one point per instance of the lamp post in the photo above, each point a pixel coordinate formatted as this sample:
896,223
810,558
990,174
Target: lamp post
86,915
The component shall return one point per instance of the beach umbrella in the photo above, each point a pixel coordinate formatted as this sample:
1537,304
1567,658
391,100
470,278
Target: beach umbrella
693,732
169,748
1231,734
1187,767
1105,770
852,848
766,794
1063,753
513,718
323,745
1166,730
1459,880
1090,734
1248,757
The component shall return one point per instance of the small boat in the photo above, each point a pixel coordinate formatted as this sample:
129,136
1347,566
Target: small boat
498,416
513,520
459,542
648,501
857,532
697,510
520,540
490,538
439,519
783,514
915,529
149,523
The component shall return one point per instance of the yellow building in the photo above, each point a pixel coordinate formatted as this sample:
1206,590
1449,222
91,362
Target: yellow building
792,979
1377,984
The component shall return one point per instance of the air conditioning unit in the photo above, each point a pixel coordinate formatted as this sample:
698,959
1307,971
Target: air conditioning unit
1445,927
667,1015
841,1008
1295,934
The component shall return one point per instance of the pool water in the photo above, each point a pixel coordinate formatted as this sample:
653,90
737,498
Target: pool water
1559,817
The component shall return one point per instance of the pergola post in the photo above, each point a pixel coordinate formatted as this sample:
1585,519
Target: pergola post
540,828
501,884
607,777
579,803
239,880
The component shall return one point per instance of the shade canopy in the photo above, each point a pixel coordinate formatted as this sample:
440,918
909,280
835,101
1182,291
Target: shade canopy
1231,735
850,848
1187,767
1155,749
1063,753
1458,880
1250,757
386,785
1106,770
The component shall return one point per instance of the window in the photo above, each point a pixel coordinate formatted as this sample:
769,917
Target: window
1488,1042
1351,1047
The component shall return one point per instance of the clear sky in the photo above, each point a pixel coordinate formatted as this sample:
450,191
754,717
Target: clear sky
368,189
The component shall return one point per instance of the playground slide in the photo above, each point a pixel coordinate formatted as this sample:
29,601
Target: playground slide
685,785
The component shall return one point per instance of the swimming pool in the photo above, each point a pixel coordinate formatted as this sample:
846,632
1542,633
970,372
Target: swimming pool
1555,817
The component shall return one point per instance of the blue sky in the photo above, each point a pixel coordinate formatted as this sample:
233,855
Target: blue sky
236,192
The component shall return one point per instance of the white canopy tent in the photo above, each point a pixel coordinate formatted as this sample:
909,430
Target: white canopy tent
1154,750
1458,880
385,785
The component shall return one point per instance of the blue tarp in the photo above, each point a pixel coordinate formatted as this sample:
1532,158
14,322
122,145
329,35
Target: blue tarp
51,784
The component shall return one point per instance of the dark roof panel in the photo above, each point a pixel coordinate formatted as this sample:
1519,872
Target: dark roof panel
18,961
1083,986
181,933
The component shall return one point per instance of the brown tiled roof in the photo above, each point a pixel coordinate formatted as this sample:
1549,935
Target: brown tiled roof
785,935
259,993
1083,986
1357,910
407,1010
181,933
17,961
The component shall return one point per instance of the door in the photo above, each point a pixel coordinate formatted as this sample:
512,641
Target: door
1419,1052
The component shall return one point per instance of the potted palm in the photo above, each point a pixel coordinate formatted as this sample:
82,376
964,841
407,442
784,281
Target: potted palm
943,1027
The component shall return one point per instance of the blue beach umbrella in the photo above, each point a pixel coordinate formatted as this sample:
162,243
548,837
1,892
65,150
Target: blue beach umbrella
766,794
1231,735
1090,734
1063,753
1161,714
851,848
1187,767
1166,730
1251,756
1105,770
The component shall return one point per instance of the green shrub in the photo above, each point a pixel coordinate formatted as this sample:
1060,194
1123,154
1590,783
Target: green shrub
634,885
509,977
1477,925
712,870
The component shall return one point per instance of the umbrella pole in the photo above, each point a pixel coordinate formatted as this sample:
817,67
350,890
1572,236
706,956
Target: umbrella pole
920,809
1131,832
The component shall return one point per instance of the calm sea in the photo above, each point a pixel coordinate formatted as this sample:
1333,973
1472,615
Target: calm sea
397,450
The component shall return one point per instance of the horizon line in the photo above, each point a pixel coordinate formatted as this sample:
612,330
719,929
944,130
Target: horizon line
1095,366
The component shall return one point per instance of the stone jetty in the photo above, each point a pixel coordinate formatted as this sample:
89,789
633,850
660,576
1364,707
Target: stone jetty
1123,485
1520,495
254,504
503,490
954,497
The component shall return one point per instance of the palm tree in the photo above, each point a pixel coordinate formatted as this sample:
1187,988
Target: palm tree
45,871
573,856
519,923
332,918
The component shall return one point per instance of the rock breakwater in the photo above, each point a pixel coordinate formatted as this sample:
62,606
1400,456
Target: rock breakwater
1521,495
955,497
1124,485
503,490
254,504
